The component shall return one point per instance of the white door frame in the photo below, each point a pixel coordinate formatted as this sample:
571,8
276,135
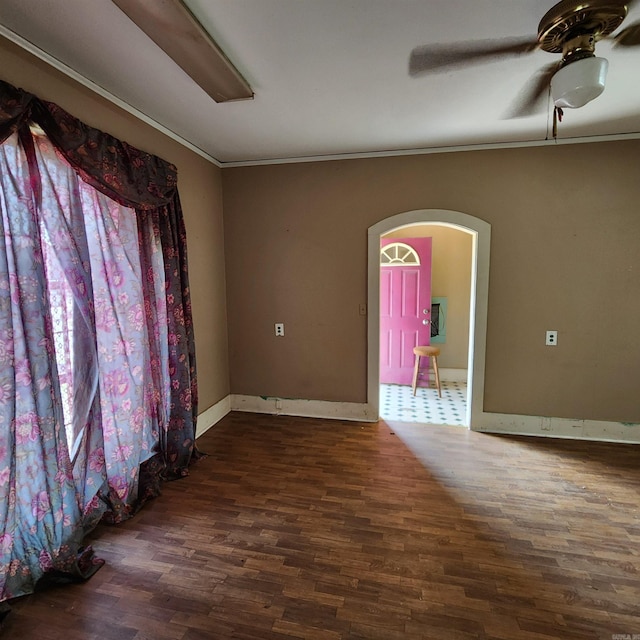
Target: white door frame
481,242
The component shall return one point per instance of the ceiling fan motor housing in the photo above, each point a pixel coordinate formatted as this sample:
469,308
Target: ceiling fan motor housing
574,19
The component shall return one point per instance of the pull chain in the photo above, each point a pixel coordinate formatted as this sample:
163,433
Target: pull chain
557,117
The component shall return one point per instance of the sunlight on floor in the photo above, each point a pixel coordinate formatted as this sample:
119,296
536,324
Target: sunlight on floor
397,403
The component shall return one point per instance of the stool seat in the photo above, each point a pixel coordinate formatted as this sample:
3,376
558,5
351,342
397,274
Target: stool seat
426,352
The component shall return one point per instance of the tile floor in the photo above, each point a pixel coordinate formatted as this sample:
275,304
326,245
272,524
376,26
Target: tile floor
397,403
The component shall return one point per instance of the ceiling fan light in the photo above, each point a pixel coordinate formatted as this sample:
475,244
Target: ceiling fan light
579,82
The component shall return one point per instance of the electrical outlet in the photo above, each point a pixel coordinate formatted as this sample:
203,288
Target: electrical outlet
279,329
551,338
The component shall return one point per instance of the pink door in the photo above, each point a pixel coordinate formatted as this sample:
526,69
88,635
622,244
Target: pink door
405,305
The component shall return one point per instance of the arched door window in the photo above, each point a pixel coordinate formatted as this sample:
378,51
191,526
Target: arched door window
398,254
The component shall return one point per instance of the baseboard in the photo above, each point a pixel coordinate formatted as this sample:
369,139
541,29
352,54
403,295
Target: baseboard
601,430
212,415
452,375
499,423
360,412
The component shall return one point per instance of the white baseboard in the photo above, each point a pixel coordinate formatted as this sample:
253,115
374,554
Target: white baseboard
499,423
601,430
212,415
452,375
304,408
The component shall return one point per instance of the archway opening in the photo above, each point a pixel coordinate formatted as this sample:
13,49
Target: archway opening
480,233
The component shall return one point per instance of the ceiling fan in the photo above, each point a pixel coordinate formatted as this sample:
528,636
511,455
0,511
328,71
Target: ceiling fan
571,28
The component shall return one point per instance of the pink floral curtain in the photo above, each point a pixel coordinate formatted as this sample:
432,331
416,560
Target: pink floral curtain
98,387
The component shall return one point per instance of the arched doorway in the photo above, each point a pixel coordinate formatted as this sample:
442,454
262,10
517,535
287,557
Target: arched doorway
481,237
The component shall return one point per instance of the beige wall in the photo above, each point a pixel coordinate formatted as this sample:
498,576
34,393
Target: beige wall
564,255
199,183
450,278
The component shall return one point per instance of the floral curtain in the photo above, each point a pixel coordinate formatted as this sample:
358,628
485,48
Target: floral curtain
91,419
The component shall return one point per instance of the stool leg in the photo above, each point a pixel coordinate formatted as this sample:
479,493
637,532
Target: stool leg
416,367
435,370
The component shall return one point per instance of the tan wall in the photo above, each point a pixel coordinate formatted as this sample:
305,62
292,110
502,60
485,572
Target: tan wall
450,278
564,255
199,183
565,224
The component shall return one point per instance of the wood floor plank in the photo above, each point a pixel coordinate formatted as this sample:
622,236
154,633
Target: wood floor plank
299,528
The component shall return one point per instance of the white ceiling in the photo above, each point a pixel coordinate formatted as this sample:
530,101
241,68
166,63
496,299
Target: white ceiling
331,77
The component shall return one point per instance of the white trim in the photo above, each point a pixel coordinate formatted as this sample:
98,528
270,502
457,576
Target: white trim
304,408
600,430
101,91
393,153
83,80
481,241
213,415
490,423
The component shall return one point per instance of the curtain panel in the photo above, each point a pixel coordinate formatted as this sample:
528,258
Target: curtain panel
147,184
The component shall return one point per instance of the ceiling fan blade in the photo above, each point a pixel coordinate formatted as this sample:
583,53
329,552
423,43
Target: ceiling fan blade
443,57
533,98
629,37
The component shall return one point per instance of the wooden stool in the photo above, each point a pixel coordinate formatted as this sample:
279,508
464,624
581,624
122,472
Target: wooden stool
427,352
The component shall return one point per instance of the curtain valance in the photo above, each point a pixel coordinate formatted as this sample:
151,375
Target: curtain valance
131,177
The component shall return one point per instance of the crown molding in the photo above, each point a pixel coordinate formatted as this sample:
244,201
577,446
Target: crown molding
101,91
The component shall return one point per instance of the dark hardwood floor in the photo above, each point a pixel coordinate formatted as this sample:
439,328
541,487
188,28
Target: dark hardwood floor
302,528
